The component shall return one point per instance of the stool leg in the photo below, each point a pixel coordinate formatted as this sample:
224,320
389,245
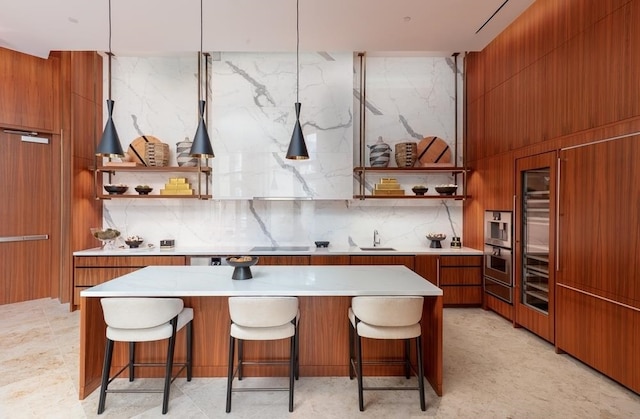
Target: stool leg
297,342
423,404
407,357
359,374
292,366
169,366
351,354
189,350
108,354
230,372
240,357
132,360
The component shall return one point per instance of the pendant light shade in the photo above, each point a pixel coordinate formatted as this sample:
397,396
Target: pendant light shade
297,147
110,142
201,146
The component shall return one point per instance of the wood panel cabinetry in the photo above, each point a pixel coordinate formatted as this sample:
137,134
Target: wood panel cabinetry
284,260
460,277
93,270
329,260
405,260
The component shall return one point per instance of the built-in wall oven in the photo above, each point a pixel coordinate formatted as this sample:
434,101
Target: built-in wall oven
498,258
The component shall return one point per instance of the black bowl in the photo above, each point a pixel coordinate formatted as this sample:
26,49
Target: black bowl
419,190
143,190
446,190
116,189
133,244
242,265
322,243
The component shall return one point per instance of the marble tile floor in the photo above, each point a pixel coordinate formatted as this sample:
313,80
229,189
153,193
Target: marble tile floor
491,370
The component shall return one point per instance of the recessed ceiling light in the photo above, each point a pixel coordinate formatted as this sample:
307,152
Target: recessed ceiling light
72,19
407,18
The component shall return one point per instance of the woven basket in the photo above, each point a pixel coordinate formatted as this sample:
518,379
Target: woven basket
406,154
156,154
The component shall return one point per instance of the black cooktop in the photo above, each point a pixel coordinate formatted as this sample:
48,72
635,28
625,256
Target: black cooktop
280,249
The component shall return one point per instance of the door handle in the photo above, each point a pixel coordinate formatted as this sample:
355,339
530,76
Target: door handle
7,239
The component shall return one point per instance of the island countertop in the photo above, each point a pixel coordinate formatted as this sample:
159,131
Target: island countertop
182,281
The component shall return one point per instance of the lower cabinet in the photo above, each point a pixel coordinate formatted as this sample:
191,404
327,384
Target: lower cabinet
89,271
283,260
406,260
460,277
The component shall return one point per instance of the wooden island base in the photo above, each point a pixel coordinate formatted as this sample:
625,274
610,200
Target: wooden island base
324,342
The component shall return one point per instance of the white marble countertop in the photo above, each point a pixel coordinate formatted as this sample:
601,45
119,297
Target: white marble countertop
184,281
145,250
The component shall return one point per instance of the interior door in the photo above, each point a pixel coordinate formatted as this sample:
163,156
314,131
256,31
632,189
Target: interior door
26,208
535,243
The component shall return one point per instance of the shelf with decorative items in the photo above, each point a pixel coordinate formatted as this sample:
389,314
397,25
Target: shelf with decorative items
176,187
388,186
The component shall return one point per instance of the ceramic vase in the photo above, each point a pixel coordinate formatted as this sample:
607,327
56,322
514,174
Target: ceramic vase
182,152
379,154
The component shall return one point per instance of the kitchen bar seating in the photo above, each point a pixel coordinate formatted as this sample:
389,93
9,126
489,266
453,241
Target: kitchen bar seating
262,318
382,317
142,320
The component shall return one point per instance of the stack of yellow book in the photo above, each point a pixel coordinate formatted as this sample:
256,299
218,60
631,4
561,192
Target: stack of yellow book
388,186
177,186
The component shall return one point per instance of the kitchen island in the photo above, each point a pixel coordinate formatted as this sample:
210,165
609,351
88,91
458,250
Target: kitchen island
325,295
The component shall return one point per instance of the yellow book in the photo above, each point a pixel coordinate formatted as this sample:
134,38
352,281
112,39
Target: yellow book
387,186
176,191
388,191
178,180
177,186
388,180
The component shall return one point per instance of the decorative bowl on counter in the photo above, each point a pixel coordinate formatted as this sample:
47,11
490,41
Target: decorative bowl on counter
435,239
134,241
446,189
143,189
242,265
322,243
419,190
116,189
106,236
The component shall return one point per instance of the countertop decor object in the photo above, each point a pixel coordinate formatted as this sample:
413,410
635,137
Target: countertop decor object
183,156
433,151
136,151
143,189
420,190
446,189
116,189
379,154
435,239
156,154
134,241
242,266
322,243
106,236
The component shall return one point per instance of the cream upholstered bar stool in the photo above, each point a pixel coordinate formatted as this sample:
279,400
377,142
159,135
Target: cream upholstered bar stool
262,318
386,317
142,320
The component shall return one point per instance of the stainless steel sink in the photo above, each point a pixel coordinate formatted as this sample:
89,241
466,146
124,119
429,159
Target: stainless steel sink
377,248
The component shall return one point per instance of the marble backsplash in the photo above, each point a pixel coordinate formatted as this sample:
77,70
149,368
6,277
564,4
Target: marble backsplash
250,123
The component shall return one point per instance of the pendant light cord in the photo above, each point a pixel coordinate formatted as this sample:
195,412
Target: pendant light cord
109,54
297,51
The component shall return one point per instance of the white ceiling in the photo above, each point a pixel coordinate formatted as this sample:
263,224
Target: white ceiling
141,27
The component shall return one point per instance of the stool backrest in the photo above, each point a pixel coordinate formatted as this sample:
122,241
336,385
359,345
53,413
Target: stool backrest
139,313
389,311
262,311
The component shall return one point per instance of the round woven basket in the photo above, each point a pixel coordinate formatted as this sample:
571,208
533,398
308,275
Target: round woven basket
406,154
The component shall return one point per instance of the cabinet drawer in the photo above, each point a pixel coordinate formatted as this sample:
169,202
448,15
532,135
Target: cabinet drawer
407,261
330,260
95,276
462,295
461,276
283,260
460,261
136,261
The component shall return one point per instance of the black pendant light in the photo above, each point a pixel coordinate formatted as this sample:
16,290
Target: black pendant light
297,147
110,142
201,146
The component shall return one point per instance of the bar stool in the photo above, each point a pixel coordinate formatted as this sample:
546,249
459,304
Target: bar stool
142,320
386,317
262,318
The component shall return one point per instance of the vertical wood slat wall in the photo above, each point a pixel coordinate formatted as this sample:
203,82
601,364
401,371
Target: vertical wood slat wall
60,96
565,73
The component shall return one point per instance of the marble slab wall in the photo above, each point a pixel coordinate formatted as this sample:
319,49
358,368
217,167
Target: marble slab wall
250,121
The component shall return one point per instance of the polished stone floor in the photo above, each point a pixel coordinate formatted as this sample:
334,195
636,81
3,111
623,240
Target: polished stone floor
491,370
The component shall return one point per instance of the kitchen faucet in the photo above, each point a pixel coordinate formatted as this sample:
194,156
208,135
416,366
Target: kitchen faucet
376,238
